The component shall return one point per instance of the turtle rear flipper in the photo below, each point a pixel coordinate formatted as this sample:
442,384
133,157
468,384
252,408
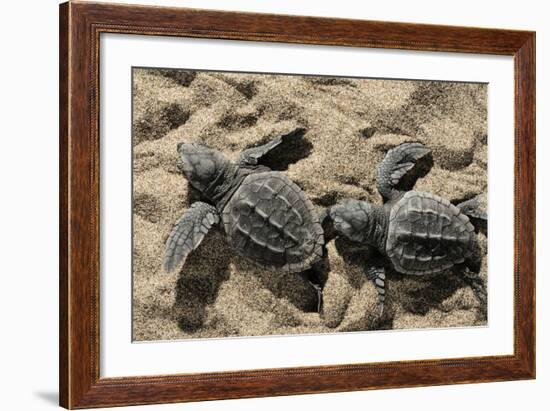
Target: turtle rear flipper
253,155
477,216
188,233
476,283
401,167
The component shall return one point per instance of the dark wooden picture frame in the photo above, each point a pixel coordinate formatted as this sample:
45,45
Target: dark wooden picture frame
80,27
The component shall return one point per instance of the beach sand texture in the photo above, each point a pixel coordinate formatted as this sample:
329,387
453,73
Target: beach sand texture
350,124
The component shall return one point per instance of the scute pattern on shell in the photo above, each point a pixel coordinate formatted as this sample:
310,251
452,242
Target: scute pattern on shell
427,234
270,220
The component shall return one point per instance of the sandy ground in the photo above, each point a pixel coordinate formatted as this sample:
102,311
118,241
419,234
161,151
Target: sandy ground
350,125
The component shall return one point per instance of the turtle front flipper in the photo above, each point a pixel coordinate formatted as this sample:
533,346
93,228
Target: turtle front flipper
397,172
188,233
378,276
251,156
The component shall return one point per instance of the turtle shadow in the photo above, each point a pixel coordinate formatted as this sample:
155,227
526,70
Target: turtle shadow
294,148
292,287
419,295
199,282
420,169
194,195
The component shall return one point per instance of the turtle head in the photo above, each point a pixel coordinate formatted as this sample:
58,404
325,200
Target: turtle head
354,219
200,164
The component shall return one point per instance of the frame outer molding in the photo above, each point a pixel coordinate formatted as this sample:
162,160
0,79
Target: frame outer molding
64,104
80,25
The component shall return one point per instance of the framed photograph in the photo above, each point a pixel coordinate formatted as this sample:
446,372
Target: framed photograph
258,205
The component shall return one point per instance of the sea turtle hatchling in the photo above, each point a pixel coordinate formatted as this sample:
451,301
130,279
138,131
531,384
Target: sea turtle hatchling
266,217
418,233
